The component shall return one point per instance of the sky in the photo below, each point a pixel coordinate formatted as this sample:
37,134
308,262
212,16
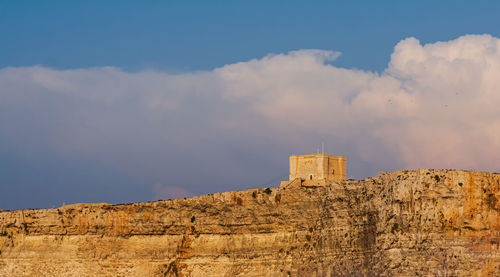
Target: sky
123,101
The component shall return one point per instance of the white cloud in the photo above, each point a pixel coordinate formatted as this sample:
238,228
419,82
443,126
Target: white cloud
434,106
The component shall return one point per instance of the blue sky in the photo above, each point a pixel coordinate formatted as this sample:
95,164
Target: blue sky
198,35
127,101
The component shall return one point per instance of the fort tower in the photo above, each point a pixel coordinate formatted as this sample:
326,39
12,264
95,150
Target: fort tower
316,168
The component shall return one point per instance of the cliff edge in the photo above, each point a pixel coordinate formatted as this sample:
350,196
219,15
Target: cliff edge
402,223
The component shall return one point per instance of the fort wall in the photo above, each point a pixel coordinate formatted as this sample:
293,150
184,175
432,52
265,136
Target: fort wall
318,167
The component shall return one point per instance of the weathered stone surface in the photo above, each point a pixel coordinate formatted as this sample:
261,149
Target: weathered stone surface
403,223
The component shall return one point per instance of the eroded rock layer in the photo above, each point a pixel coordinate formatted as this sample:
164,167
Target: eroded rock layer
410,223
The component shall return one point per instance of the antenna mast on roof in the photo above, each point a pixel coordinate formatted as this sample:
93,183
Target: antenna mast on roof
322,148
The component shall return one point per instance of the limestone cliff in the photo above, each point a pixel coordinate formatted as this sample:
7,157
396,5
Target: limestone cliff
403,223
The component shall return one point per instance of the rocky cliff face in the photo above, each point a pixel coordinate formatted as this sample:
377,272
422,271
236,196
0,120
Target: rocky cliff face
411,223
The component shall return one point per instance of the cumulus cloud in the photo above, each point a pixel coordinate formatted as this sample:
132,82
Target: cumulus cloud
435,105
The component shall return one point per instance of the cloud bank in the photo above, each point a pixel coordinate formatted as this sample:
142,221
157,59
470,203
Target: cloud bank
162,192
434,106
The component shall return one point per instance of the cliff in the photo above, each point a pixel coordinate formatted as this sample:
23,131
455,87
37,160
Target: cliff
410,223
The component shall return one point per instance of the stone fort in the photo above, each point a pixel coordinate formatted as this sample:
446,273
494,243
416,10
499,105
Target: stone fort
316,168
